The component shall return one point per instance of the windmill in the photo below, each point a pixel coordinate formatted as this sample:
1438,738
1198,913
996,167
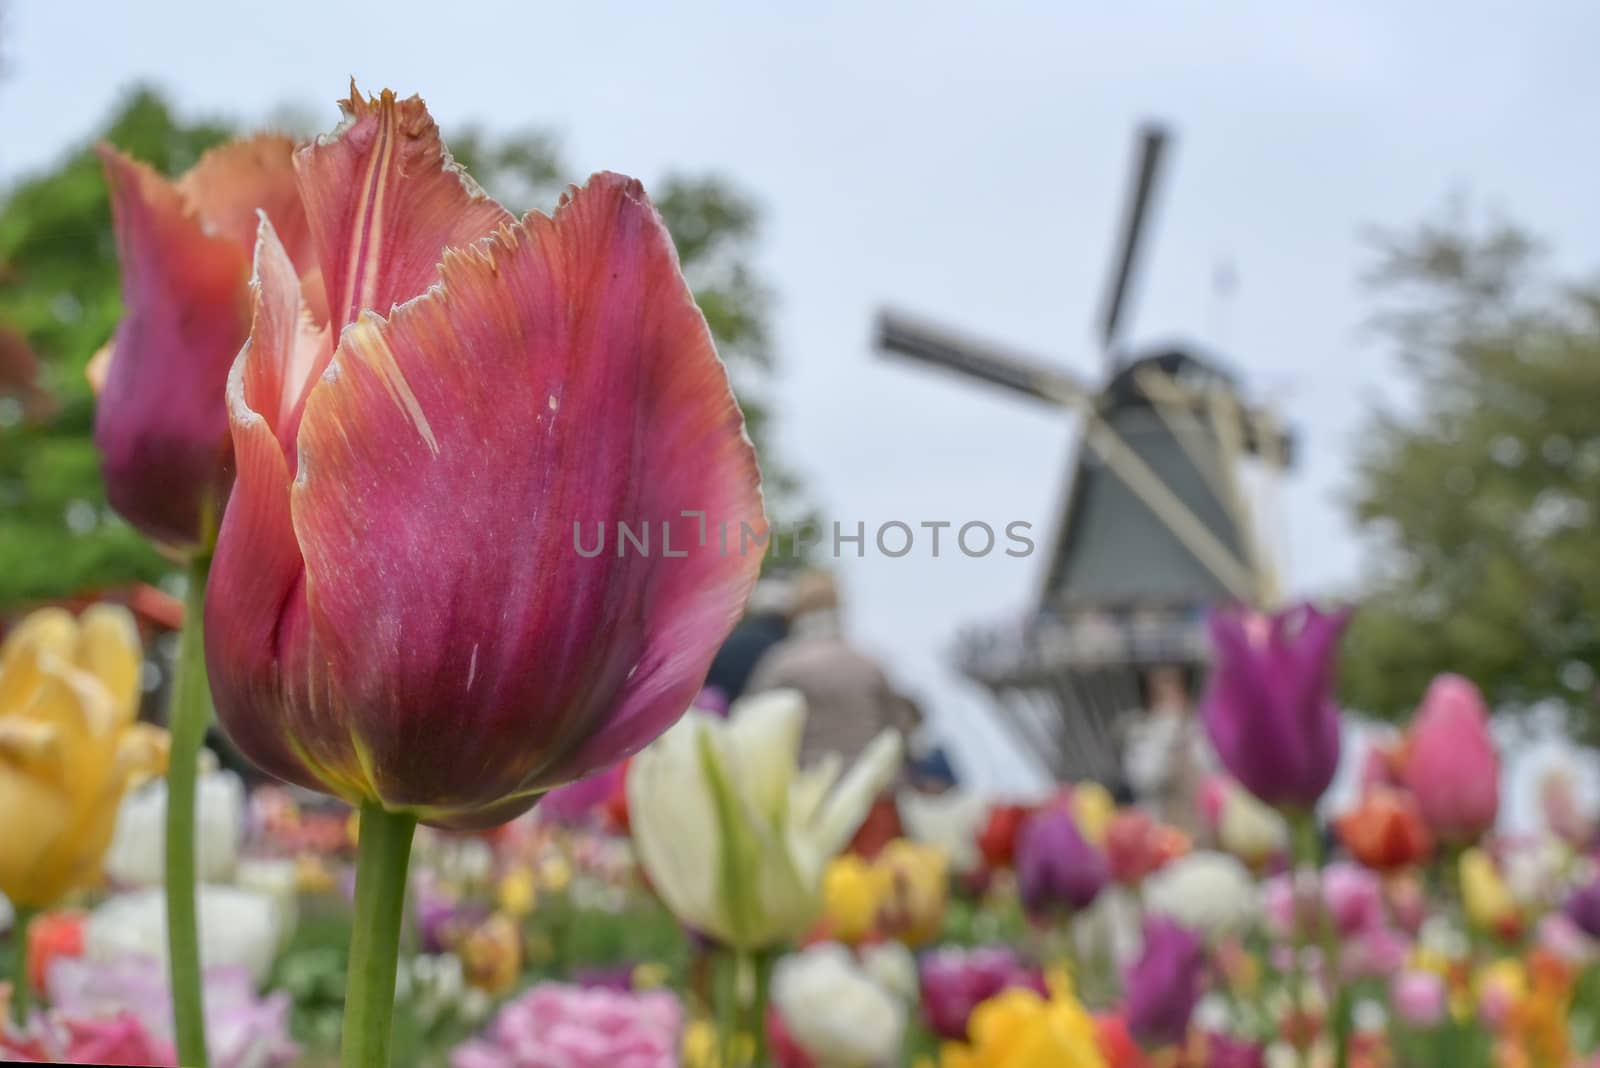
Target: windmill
1158,518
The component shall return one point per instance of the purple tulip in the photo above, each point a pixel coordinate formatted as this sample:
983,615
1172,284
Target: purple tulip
1057,870
1224,1051
578,803
1269,709
1164,983
955,981
1583,907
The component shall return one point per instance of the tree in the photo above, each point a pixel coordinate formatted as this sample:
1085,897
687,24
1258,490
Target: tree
1481,488
60,300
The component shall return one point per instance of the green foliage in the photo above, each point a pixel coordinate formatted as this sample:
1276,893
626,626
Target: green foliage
59,291
1481,491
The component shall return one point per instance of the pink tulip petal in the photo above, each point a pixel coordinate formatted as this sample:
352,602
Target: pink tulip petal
255,604
235,182
560,374
384,199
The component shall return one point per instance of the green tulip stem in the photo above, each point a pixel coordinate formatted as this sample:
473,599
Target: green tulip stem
762,964
187,719
1308,854
19,964
382,855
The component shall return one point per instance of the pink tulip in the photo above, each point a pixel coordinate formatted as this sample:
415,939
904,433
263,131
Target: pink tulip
161,423
1451,764
1418,998
406,605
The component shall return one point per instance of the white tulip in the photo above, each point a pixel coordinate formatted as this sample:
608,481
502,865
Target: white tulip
950,821
137,854
237,927
834,1011
1251,830
893,967
276,878
733,835
1206,891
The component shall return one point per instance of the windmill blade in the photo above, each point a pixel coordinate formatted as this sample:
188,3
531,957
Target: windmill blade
906,336
1147,168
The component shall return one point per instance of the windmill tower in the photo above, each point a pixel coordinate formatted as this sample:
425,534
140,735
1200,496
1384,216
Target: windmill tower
1157,522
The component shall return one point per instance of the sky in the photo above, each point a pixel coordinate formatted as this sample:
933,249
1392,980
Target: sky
966,162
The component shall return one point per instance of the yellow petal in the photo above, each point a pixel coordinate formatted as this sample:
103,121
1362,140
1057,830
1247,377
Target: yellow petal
109,648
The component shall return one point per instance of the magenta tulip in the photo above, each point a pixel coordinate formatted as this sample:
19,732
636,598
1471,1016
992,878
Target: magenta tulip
1164,983
1583,907
399,612
161,421
1057,869
955,981
1451,764
1269,708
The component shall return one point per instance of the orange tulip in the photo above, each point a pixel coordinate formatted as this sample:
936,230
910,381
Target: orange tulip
1386,831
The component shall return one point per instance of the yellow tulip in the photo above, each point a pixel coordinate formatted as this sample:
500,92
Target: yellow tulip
491,954
854,891
1487,899
913,910
1019,1029
517,893
1092,809
69,746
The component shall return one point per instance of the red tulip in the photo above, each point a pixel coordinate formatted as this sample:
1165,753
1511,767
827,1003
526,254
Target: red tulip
1450,761
1137,845
398,611
161,422
997,841
1386,831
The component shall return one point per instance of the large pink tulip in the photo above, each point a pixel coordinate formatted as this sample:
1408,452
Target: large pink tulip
1450,761
161,422
398,610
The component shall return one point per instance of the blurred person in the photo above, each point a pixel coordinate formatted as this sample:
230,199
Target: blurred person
1165,755
848,696
765,624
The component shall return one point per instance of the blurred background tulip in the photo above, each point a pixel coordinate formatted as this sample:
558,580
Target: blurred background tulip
834,1011
715,795
954,981
1250,830
1451,764
578,1027
1385,831
161,421
1583,907
1487,899
1269,707
1058,871
1164,983
1204,891
138,846
69,747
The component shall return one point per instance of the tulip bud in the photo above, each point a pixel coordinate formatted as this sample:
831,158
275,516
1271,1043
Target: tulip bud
1451,765
1269,708
1164,982
1386,831
1057,869
1419,998
161,422
1583,907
